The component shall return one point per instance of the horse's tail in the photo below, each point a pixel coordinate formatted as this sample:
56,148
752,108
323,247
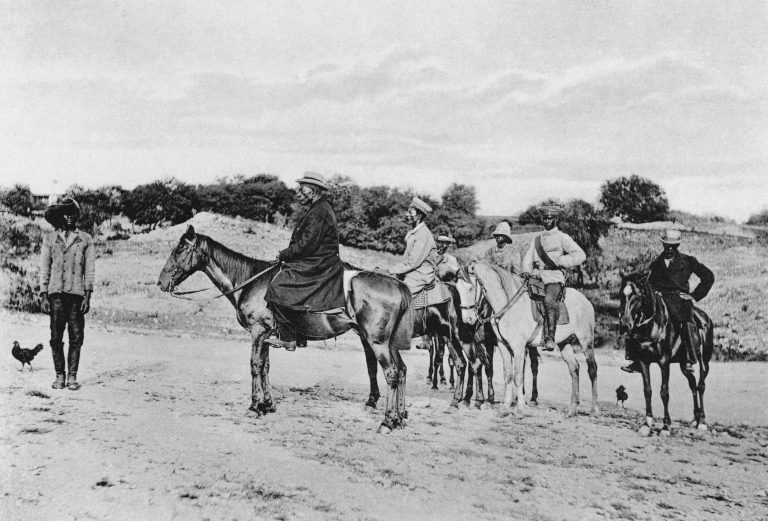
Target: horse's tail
707,342
403,328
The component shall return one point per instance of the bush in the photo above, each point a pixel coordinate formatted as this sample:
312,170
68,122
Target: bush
24,290
634,199
19,200
759,219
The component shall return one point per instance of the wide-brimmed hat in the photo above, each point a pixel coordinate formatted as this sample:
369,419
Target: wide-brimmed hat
445,238
550,210
311,178
55,212
503,229
672,236
421,205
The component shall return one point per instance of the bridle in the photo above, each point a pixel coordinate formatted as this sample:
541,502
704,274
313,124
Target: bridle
193,248
482,295
636,320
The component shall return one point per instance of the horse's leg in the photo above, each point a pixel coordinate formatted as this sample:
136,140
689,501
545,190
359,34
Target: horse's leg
258,333
645,370
665,397
589,353
692,386
440,355
533,354
451,368
469,384
573,367
373,368
436,359
402,413
489,374
506,359
269,405
392,376
479,394
703,372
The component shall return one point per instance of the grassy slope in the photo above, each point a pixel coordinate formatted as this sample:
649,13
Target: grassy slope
127,271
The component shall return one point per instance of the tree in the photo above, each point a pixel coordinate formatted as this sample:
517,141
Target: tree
759,219
19,200
168,200
634,199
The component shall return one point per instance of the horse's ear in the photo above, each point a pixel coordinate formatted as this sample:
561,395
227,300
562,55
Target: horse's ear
190,233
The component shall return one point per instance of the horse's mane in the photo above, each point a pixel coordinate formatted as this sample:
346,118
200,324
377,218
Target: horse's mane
508,282
237,265
640,280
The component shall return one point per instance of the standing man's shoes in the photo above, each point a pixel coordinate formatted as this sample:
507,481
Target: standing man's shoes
60,382
632,367
72,384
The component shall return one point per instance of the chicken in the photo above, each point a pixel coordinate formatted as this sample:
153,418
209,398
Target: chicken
25,356
621,395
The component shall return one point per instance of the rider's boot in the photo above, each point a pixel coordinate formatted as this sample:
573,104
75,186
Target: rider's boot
550,328
630,353
688,334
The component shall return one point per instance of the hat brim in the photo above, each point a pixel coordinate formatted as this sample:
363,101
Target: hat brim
670,241
314,182
54,213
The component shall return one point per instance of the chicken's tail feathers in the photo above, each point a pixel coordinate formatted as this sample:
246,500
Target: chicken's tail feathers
38,348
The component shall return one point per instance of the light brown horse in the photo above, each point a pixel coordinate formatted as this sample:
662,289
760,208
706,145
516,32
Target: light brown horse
379,308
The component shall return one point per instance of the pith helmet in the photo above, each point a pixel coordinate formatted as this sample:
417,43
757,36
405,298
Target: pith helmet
672,236
503,229
311,178
421,205
550,210
55,212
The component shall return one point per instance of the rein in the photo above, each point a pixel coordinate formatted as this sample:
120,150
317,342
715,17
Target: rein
179,294
511,302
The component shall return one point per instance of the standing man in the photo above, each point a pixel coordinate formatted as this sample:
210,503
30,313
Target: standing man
417,267
311,278
670,274
502,254
67,272
550,253
447,265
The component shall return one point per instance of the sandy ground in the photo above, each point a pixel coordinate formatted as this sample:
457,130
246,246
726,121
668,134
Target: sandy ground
158,432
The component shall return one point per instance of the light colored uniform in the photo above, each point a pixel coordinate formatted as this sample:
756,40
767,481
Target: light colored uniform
561,249
505,257
418,263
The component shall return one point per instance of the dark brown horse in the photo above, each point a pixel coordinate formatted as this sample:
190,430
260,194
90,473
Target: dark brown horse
379,308
645,322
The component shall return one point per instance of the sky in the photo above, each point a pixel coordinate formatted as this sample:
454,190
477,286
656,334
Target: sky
523,100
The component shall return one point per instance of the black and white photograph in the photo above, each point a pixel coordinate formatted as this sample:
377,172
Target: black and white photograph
374,261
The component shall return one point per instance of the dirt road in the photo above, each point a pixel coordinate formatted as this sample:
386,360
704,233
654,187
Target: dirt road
158,431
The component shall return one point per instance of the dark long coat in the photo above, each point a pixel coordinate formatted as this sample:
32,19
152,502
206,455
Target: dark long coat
673,280
312,275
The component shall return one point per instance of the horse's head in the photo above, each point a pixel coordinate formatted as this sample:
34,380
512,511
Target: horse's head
632,302
470,294
185,259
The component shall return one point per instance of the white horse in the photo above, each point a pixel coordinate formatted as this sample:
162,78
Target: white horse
515,328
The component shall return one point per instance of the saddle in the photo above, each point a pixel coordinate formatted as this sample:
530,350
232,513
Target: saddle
536,292
432,294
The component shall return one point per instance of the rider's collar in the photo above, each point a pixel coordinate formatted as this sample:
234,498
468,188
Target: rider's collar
550,232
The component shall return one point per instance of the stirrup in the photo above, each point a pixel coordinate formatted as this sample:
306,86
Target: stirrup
288,345
631,367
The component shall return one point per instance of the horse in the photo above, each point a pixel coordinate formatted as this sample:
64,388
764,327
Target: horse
440,323
644,320
516,328
379,309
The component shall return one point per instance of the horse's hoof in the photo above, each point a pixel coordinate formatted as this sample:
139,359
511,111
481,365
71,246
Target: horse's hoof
452,387
649,421
454,404
254,412
442,381
383,429
503,412
367,408
521,411
478,405
434,388
534,403
403,424
486,406
665,431
464,404
595,411
703,427
571,412
644,431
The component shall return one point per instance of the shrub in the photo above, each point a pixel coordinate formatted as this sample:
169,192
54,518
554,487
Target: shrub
634,199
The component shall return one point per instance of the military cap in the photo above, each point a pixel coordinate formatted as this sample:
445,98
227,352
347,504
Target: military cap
421,205
550,210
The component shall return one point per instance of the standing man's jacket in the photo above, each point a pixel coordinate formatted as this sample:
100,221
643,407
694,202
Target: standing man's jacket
67,269
672,283
312,275
418,263
561,249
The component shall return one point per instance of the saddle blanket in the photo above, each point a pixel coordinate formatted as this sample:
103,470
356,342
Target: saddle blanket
431,296
537,309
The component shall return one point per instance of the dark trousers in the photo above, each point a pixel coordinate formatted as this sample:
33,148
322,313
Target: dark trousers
65,313
285,328
553,292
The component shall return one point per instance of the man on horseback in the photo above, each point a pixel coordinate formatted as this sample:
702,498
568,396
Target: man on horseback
417,267
447,265
669,274
502,254
550,253
311,278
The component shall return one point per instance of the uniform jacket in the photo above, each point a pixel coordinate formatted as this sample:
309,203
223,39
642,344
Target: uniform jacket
311,277
418,263
561,249
675,278
506,257
447,266
67,268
